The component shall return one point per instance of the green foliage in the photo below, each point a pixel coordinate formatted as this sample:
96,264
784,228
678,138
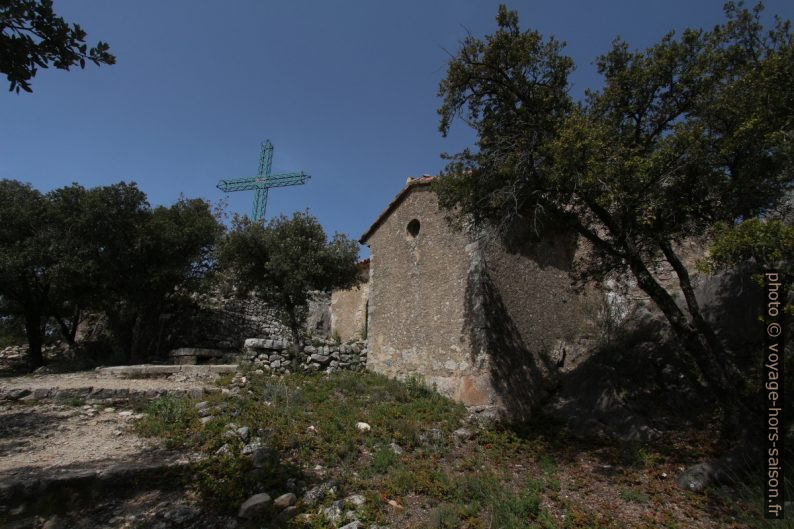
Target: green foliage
151,260
283,261
225,482
76,402
169,417
769,244
102,249
12,331
762,244
633,496
547,464
445,516
507,509
32,36
27,261
688,132
416,388
286,408
382,460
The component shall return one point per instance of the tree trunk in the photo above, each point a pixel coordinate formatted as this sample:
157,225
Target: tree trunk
717,355
69,329
34,335
696,342
295,329
135,340
693,307
294,326
121,333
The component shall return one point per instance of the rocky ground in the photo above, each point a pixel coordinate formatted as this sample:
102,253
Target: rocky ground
41,438
95,380
70,456
342,451
151,509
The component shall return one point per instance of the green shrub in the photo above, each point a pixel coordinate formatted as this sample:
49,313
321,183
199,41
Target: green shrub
506,509
169,417
547,464
445,516
415,388
383,459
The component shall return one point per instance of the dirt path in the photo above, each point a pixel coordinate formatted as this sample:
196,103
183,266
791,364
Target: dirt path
96,380
75,450
48,436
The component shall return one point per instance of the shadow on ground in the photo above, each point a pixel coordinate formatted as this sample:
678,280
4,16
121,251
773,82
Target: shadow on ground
16,427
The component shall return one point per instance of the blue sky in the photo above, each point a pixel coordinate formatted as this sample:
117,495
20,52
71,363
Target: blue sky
345,90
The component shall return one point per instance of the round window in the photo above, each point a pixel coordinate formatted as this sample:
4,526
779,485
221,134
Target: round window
413,228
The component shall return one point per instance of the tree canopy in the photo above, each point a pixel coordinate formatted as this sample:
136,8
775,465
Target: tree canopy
102,249
692,131
27,261
283,261
32,36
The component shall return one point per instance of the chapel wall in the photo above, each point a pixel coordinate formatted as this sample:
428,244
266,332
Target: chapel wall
418,317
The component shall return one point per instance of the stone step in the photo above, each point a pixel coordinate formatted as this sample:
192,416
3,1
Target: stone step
55,491
159,370
91,393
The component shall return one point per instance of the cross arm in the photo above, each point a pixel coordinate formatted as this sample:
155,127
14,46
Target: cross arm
287,179
239,184
248,184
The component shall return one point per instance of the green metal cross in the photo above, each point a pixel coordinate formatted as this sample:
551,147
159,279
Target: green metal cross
263,181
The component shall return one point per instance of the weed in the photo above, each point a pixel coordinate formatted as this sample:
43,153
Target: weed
445,516
547,464
415,387
169,417
633,495
383,459
76,401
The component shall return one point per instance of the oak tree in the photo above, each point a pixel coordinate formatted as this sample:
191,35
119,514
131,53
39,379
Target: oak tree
32,36
283,261
692,131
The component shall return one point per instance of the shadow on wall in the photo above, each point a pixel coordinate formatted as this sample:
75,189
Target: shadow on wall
520,308
732,303
551,247
643,382
519,376
632,389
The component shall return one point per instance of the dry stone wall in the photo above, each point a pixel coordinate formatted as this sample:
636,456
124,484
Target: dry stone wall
277,356
222,322
225,322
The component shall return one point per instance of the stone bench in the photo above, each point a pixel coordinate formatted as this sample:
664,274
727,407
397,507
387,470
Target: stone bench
199,355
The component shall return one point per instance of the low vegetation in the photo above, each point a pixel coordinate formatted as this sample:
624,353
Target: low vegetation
426,463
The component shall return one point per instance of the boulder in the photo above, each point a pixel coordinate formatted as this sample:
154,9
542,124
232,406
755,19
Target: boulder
254,506
285,500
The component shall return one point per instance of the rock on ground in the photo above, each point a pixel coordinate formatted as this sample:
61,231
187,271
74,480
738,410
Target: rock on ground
254,506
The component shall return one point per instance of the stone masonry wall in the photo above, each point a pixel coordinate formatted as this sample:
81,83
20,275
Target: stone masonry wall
527,316
277,357
224,322
417,306
349,312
